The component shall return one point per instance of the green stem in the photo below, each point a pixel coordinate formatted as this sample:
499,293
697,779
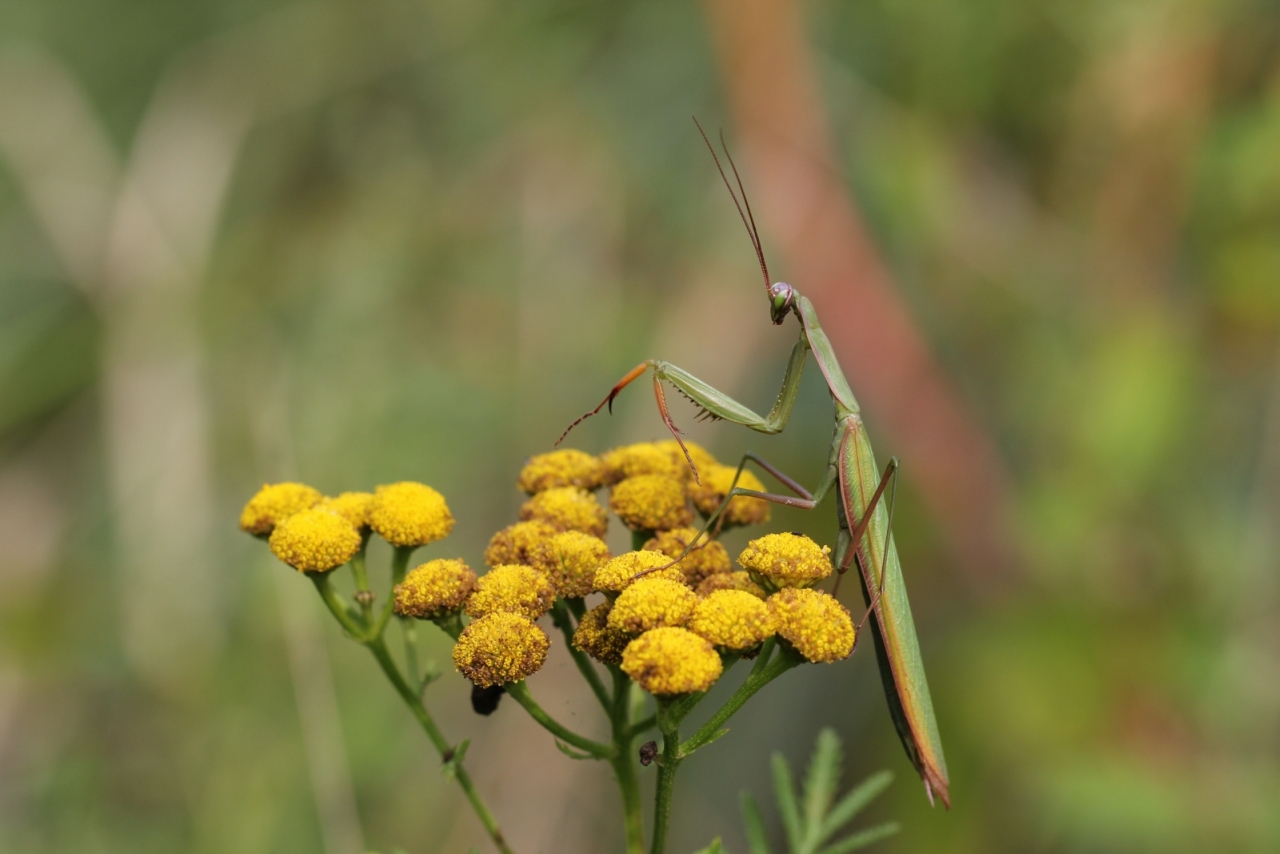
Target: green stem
639,538
410,628
520,693
337,605
560,616
762,674
624,763
399,563
667,767
362,576
378,647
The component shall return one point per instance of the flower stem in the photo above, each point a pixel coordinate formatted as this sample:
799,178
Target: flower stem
762,674
624,762
520,693
667,767
639,538
378,647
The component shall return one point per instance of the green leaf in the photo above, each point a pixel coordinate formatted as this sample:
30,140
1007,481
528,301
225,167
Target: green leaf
852,804
570,752
820,784
785,793
862,838
714,848
754,823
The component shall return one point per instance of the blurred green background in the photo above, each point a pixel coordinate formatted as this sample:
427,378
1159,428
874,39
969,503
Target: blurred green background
357,242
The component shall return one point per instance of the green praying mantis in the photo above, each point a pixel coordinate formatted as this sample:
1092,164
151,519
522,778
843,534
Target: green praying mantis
865,534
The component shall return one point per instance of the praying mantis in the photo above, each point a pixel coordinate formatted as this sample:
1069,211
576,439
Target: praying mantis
865,534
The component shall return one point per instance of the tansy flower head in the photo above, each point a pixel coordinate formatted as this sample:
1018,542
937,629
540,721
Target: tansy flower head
672,661
716,481
787,560
567,508
570,560
409,514
499,649
619,572
650,603
566,467
354,506
515,543
651,502
706,558
274,503
732,620
315,540
596,639
434,589
731,581
518,589
817,625
640,458
701,457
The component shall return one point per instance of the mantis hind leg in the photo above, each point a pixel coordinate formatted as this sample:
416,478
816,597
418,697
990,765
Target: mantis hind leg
890,471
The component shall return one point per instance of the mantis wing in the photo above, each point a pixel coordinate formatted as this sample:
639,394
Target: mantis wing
894,632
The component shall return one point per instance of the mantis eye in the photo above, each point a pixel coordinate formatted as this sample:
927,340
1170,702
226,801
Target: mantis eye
781,298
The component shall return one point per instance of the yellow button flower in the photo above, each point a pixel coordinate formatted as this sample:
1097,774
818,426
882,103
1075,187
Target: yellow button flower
733,620
672,661
731,581
515,543
409,514
817,625
708,557
274,503
650,603
596,639
517,589
640,458
315,540
434,589
499,649
651,502
622,570
570,560
715,484
566,508
701,457
567,467
787,560
352,505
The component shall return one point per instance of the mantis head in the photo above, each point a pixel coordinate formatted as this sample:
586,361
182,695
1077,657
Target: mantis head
782,298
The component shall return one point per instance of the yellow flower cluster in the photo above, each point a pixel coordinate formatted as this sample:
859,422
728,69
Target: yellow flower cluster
516,543
315,540
594,637
512,588
705,559
787,560
500,648
733,620
570,560
567,467
652,602
274,503
672,660
434,589
619,572
353,506
731,581
566,508
817,625
409,514
651,502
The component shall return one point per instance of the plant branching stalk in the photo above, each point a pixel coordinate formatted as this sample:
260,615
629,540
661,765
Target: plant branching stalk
372,638
624,762
520,693
667,767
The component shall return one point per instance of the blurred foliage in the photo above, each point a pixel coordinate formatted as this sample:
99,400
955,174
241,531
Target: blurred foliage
450,226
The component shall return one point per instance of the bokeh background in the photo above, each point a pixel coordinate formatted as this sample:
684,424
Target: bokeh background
358,242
